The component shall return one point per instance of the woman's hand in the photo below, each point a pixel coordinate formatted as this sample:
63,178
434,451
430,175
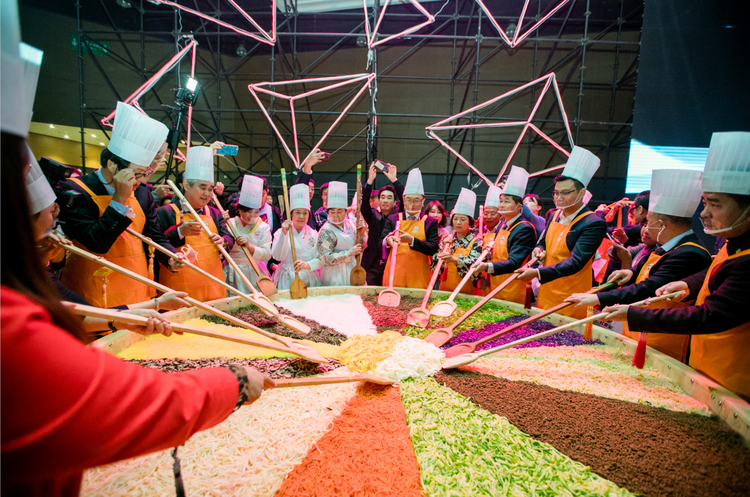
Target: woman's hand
355,250
225,215
217,240
256,383
301,266
172,301
242,240
447,257
285,227
157,324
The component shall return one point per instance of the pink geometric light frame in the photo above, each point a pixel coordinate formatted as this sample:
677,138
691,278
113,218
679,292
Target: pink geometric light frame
550,81
262,36
365,78
517,36
371,36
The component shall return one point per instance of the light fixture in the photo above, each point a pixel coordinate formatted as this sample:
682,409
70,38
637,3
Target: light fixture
241,50
191,84
101,143
66,136
510,30
52,126
361,41
124,4
93,135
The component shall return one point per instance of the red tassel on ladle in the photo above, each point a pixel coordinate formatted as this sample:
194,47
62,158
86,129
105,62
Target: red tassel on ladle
639,359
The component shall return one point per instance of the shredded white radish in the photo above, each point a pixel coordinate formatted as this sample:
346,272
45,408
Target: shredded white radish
410,358
344,313
248,454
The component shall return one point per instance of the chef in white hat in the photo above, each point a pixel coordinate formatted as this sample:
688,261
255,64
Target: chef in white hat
464,247
718,321
111,201
569,243
675,196
513,242
305,243
185,233
252,233
337,240
491,218
417,241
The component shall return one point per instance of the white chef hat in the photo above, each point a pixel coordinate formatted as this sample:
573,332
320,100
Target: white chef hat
251,194
587,197
38,191
136,137
516,182
13,89
414,185
581,165
466,203
200,164
299,197
728,164
493,196
675,192
337,195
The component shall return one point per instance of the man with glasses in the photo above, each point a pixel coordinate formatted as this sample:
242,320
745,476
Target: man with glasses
569,243
112,201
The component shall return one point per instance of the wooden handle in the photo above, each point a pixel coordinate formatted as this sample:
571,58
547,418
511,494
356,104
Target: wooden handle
394,249
434,277
289,218
236,235
330,380
468,275
358,203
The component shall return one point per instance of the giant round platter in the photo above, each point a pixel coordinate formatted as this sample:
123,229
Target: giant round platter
557,416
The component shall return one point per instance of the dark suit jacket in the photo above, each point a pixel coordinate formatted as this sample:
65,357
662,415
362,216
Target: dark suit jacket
376,224
97,234
428,247
582,240
168,221
521,243
678,263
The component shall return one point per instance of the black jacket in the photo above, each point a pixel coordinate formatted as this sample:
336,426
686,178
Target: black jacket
97,234
678,263
582,240
168,221
521,243
373,253
429,246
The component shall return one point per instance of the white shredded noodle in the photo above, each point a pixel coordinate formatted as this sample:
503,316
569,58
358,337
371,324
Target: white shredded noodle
410,358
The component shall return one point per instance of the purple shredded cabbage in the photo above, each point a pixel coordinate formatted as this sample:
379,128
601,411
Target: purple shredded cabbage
566,337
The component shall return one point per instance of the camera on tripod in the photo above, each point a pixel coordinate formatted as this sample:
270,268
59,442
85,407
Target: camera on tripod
187,95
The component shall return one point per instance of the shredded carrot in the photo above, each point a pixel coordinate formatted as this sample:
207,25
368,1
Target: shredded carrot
367,452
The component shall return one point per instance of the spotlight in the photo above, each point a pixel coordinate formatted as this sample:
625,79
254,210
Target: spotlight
124,4
188,94
361,41
52,126
66,136
93,135
241,50
101,143
510,30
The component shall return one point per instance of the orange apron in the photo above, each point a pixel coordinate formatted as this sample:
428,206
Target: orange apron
127,251
451,278
554,292
412,267
674,346
723,356
209,259
516,291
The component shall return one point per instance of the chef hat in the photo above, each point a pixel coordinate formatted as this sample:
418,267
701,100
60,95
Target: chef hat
136,137
13,90
582,165
299,197
337,195
516,183
675,192
38,191
252,190
466,203
728,164
200,164
493,196
414,185
587,197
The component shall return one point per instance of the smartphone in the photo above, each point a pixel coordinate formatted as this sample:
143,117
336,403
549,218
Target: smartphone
381,165
326,157
613,240
228,150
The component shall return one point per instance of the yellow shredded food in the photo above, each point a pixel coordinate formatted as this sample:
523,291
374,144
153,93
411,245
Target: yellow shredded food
194,347
364,352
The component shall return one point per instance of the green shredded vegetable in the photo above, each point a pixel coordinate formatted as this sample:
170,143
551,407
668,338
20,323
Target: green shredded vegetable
488,314
463,449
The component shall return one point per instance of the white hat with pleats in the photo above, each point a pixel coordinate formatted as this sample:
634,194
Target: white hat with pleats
414,185
251,195
581,165
493,196
516,182
728,164
38,190
13,90
136,137
675,192
337,195
466,203
200,164
299,197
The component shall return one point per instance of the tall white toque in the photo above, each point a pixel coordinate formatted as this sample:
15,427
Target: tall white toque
136,137
675,192
337,195
581,165
466,203
38,191
299,197
414,185
516,183
251,195
200,164
493,196
728,164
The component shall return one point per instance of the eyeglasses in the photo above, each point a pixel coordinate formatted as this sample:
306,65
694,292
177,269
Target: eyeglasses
413,201
563,193
144,174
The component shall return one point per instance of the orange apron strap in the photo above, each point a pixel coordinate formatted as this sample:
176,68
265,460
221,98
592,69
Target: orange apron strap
85,188
580,216
176,214
695,245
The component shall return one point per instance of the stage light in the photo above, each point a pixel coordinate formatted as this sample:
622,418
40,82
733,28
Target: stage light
191,84
510,30
93,135
52,126
361,41
241,50
66,136
101,143
124,4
